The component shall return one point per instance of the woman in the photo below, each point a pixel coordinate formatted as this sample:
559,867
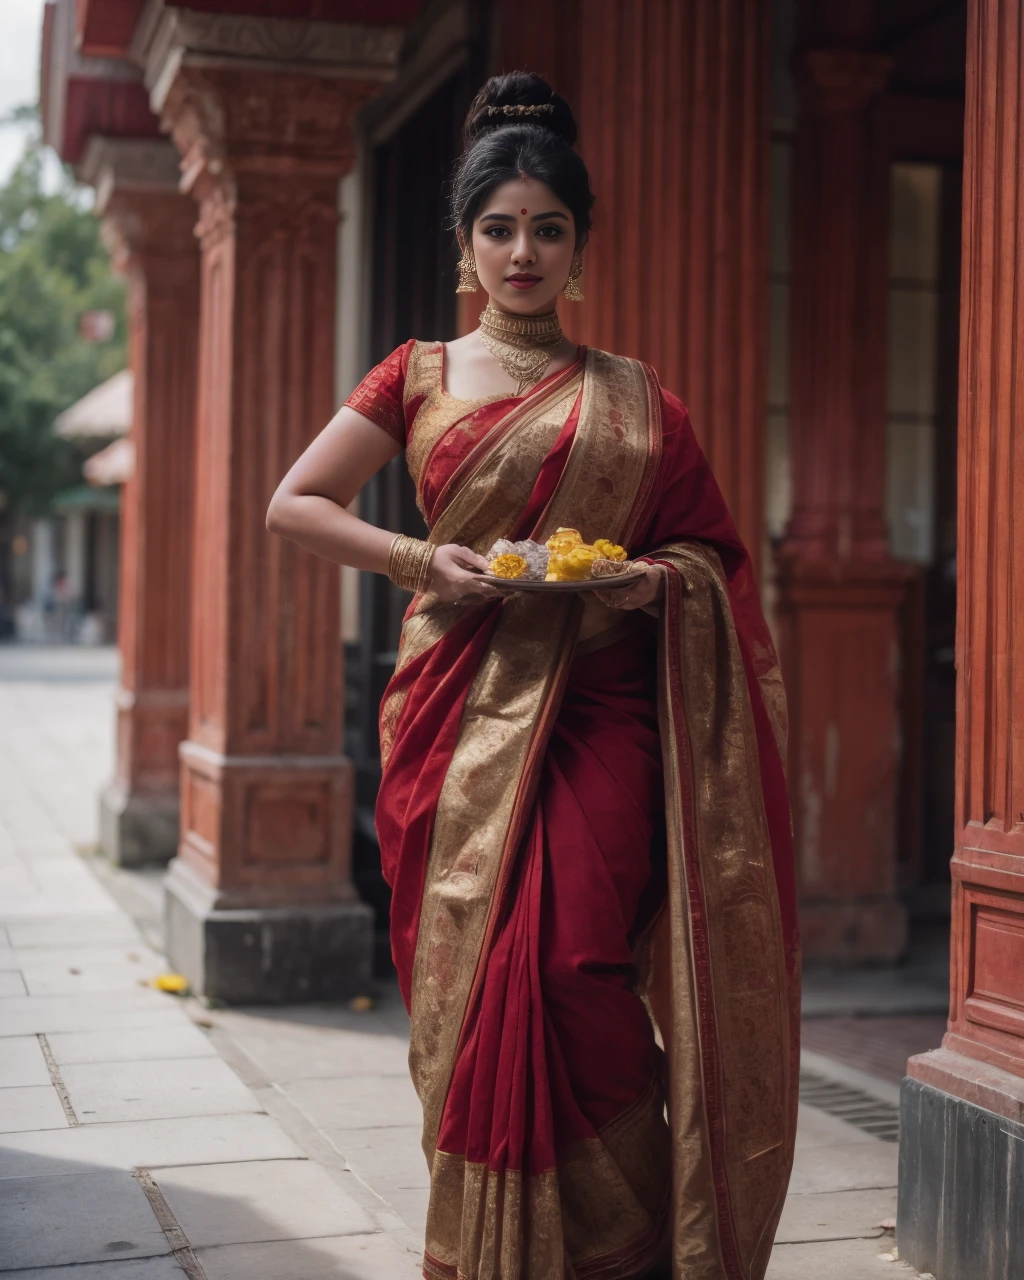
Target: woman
582,814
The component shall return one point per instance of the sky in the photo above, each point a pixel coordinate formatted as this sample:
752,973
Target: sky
21,24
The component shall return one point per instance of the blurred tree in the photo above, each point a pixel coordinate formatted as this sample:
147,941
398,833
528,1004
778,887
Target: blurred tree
53,268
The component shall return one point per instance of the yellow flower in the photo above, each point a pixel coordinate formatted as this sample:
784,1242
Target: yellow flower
609,550
508,566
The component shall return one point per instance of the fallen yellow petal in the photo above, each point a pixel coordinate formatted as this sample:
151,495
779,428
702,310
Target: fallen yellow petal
176,983
360,1004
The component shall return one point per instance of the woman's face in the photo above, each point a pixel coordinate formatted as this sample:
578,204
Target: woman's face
524,240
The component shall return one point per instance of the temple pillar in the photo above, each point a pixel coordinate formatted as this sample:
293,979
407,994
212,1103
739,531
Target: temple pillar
839,589
149,226
259,901
961,1194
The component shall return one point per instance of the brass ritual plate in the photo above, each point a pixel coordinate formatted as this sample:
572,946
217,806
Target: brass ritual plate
611,583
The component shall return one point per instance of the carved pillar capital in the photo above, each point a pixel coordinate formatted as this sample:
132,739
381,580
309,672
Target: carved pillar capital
167,38
236,129
138,199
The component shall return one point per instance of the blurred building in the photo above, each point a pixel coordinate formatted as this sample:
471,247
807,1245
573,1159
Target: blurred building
796,224
66,573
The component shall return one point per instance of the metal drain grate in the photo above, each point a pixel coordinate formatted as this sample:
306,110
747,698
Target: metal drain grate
881,1119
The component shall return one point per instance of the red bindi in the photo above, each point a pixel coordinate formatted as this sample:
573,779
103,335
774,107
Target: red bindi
522,210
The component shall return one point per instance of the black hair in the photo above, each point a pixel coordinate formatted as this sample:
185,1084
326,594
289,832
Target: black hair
504,141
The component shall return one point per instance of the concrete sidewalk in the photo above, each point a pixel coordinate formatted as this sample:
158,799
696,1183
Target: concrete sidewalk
143,1137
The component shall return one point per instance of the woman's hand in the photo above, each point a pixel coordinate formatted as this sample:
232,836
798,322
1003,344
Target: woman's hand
452,576
646,591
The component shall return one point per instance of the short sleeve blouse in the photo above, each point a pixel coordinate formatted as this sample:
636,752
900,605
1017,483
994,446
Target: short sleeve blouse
381,394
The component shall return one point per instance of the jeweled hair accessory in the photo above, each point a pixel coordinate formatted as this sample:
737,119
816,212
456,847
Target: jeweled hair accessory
522,109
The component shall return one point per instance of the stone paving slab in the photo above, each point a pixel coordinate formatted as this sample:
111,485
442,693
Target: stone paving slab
393,1159
145,1144
301,1052
91,1216
836,1215
837,1260
259,1200
164,1268
175,1037
375,1257
25,1109
106,1010
12,983
845,1167
818,1129
84,975
22,1063
155,1090
365,1102
60,932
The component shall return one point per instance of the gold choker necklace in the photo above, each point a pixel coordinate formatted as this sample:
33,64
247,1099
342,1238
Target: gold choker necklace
522,345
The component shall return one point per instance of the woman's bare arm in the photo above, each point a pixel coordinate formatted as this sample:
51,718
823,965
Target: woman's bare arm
309,507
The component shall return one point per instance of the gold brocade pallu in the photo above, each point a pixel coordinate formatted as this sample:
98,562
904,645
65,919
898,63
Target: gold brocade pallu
593,916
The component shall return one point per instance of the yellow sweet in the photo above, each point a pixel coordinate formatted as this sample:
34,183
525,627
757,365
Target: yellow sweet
609,550
562,540
572,559
508,566
574,565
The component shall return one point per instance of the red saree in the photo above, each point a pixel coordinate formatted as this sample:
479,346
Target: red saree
585,841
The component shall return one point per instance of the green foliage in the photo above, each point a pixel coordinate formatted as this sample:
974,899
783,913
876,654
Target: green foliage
53,268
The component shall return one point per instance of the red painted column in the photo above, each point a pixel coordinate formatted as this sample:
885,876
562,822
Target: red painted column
672,102
839,590
260,904
150,228
962,1112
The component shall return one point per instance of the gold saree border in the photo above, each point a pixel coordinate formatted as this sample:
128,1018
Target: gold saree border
601,1214
615,453
725,1015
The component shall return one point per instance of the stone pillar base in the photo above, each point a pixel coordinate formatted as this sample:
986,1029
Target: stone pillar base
961,1192
265,955
138,830
854,931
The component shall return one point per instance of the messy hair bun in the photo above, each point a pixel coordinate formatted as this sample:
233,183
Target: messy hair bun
518,127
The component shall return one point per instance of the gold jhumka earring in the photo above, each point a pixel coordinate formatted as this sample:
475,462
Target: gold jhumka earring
469,281
572,291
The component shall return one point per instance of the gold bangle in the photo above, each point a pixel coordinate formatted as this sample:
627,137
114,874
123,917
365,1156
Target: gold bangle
409,563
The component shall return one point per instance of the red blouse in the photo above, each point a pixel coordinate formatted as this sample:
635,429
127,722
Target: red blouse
381,393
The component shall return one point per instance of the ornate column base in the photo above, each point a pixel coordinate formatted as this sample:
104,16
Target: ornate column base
961,1194
265,955
273,917
138,830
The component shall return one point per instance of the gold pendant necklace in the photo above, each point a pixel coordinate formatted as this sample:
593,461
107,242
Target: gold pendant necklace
522,345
